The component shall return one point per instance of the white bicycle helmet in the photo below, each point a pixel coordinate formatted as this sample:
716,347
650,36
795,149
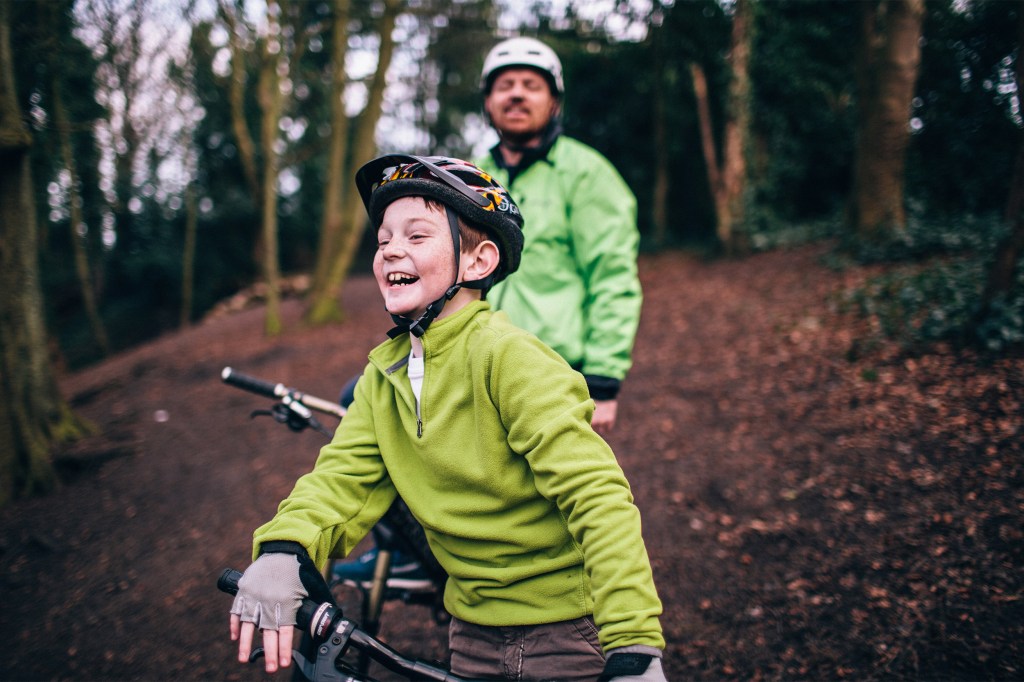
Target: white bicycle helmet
522,52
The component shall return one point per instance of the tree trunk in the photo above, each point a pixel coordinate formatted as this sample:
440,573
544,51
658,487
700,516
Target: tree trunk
727,179
888,65
124,61
32,414
188,256
236,99
327,307
63,129
659,198
1002,274
247,155
736,132
336,185
271,100
707,134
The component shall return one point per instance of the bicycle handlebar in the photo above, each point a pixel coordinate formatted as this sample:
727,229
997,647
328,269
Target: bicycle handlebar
333,633
269,390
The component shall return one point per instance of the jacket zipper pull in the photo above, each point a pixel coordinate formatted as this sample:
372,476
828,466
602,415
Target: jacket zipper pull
419,427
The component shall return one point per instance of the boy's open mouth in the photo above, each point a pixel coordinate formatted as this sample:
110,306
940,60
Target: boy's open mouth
401,279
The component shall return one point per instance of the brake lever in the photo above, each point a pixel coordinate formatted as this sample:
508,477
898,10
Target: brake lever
308,669
328,673
300,416
284,414
294,415
330,652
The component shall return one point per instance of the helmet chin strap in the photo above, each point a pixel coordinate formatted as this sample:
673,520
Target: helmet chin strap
417,327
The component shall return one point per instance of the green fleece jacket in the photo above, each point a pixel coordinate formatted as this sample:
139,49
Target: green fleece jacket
577,287
523,504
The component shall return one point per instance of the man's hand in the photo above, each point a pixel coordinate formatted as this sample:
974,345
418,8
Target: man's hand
269,594
604,415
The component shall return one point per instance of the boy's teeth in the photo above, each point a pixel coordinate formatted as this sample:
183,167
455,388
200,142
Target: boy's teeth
401,278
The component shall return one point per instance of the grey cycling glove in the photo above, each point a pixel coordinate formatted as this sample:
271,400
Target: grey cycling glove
273,587
270,592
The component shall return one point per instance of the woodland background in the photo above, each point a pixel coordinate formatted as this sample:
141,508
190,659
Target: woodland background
184,150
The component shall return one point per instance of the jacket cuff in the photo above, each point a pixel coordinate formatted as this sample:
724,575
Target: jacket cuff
283,547
636,649
602,388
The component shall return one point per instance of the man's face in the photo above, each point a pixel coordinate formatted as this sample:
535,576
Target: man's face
520,104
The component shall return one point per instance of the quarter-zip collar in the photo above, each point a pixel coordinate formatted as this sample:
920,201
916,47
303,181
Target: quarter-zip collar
392,356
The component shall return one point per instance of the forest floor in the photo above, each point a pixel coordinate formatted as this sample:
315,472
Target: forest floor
817,505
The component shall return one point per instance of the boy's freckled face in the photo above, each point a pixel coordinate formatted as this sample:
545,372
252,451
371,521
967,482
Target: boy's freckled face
415,261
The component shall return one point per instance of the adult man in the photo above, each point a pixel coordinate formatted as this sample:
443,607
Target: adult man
577,288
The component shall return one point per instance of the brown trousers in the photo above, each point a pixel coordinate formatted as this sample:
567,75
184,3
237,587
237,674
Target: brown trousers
568,650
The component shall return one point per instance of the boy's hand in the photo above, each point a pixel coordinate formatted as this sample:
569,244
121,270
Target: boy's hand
269,594
632,667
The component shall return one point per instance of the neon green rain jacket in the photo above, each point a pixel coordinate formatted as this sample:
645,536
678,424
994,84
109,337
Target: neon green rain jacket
577,286
523,504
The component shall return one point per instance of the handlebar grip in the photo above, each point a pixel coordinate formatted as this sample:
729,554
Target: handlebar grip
248,383
228,581
307,611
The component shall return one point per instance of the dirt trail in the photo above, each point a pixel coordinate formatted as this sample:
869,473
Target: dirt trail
808,516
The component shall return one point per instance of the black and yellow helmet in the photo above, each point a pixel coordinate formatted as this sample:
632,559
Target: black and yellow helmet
473,194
